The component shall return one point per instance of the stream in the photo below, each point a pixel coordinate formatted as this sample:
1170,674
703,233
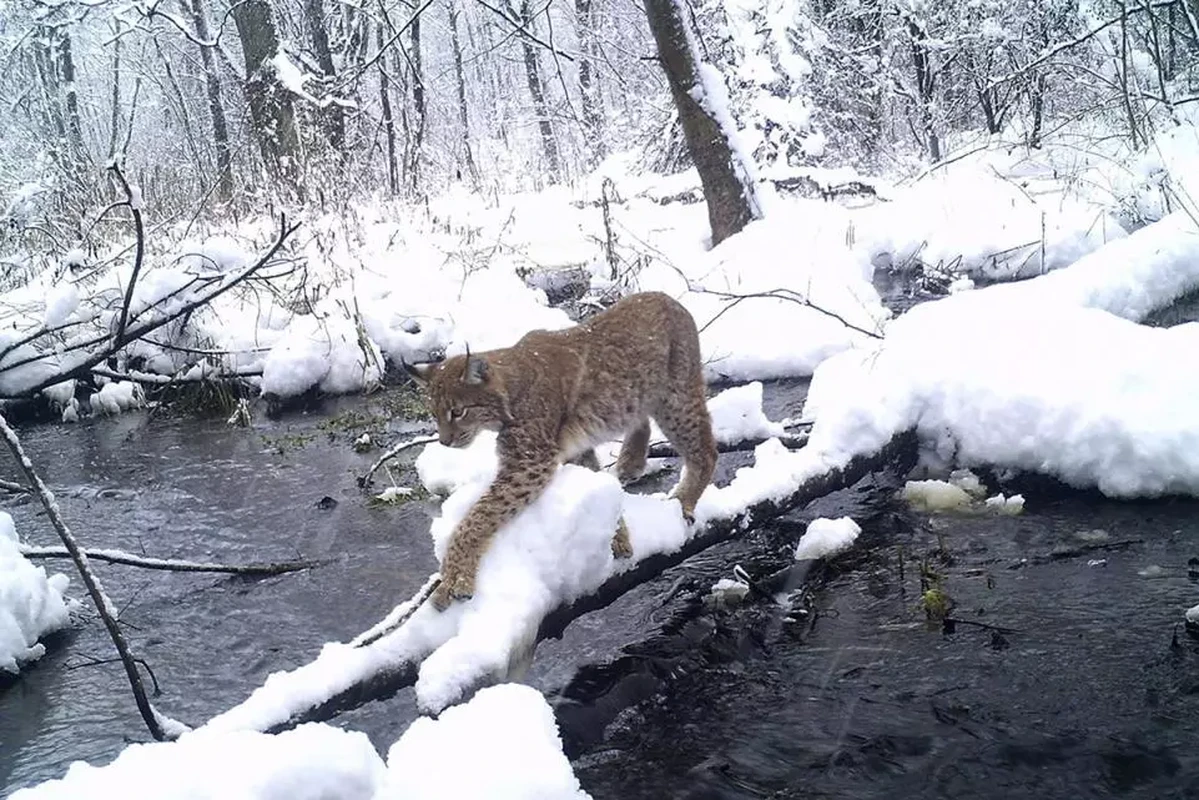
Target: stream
1086,683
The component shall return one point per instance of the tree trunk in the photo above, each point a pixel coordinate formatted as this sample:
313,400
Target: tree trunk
216,106
389,124
418,105
115,118
925,89
66,67
588,89
271,110
729,191
463,116
333,115
537,90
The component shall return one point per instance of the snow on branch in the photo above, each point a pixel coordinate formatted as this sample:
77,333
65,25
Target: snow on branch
170,564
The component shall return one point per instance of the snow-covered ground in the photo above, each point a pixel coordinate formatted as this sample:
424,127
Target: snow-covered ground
32,603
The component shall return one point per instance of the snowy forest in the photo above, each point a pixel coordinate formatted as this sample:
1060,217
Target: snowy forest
943,261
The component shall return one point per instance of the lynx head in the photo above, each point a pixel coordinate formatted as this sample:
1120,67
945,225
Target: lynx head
465,397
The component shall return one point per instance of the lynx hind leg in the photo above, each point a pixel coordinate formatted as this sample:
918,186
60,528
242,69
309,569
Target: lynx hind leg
630,464
686,422
622,547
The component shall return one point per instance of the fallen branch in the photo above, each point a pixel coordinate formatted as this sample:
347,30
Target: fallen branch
389,673
171,565
364,480
108,612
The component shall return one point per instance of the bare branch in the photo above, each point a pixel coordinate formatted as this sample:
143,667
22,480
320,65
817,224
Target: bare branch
172,565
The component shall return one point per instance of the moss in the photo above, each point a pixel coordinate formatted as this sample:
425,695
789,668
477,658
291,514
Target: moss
285,442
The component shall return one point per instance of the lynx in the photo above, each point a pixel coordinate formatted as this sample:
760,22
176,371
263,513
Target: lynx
554,395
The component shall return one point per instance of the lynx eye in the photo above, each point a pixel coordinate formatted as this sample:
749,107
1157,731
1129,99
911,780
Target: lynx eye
457,413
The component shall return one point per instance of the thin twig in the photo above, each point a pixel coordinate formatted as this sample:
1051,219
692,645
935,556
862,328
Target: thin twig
364,480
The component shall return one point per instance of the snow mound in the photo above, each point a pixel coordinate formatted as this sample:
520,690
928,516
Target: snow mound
503,745
1029,377
969,219
31,603
117,396
311,762
552,552
826,537
325,352
774,336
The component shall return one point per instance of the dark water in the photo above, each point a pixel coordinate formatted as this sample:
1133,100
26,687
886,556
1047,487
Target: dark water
1091,694
203,490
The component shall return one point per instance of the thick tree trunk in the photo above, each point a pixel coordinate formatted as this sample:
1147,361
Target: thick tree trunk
925,89
66,67
537,90
463,116
729,192
588,89
216,105
271,110
333,115
115,117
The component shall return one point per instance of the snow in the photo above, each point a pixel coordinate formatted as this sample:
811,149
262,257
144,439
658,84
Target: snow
825,537
971,219
61,302
793,258
1050,375
503,744
311,762
32,603
117,396
327,353
1192,615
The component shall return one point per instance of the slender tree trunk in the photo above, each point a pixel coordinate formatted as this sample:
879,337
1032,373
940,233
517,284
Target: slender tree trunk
925,89
333,115
201,164
588,89
418,105
389,125
271,110
537,90
463,116
66,66
729,192
216,105
115,118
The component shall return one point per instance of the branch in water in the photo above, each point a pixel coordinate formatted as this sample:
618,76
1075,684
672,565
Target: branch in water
364,480
172,565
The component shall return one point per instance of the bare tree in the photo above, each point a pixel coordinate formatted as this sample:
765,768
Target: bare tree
216,106
333,115
588,88
463,115
549,142
729,192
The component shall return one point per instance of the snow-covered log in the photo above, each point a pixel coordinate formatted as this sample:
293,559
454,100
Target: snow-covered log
346,676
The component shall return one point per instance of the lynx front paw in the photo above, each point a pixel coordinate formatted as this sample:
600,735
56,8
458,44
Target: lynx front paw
454,586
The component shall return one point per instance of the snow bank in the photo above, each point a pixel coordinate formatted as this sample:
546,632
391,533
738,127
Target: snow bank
773,336
826,537
328,353
970,219
31,603
1041,376
502,745
311,762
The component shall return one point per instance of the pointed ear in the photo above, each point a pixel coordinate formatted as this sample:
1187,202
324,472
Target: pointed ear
419,372
476,371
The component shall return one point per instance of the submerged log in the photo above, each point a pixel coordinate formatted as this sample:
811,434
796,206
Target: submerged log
391,676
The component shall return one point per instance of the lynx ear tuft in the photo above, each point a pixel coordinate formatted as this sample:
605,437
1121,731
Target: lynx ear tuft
419,372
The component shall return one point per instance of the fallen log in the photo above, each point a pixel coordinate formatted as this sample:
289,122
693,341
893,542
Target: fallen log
387,676
171,565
